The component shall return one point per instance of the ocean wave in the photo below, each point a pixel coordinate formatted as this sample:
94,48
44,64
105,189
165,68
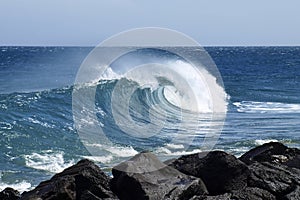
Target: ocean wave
161,105
48,161
266,107
152,103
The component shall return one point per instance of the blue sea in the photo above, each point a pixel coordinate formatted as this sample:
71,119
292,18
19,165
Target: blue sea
39,136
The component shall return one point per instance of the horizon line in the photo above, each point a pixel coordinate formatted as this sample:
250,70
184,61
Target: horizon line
90,46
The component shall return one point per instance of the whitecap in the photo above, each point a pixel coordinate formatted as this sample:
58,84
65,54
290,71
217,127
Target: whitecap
175,146
5,125
48,161
100,159
263,141
168,152
122,151
44,124
266,107
20,186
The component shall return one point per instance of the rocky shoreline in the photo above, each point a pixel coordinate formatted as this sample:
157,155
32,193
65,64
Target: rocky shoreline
270,171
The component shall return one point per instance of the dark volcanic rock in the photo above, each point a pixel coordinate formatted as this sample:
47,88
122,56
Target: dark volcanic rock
279,180
145,177
274,152
9,194
84,180
248,193
251,193
219,171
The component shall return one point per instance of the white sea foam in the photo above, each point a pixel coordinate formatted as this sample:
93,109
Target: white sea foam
168,152
209,94
261,142
48,160
175,146
237,151
44,124
3,106
5,125
266,107
100,159
122,151
20,186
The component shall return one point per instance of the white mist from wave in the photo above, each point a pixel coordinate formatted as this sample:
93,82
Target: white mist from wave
209,95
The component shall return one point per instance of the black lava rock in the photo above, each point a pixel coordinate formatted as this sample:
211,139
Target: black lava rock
280,180
273,152
220,172
9,194
145,177
84,180
248,193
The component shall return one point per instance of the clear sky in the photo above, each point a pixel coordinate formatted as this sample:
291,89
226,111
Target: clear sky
210,22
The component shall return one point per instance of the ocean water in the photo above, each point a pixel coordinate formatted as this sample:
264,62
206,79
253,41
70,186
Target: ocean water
39,137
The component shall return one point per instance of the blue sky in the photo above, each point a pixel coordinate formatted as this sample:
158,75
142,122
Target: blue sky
210,22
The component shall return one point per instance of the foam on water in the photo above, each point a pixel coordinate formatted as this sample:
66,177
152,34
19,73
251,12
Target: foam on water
167,152
100,159
5,125
20,186
36,121
266,107
175,146
122,151
48,161
263,141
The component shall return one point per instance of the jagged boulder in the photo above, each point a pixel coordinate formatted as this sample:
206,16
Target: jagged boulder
84,180
273,152
145,177
280,180
220,172
9,194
